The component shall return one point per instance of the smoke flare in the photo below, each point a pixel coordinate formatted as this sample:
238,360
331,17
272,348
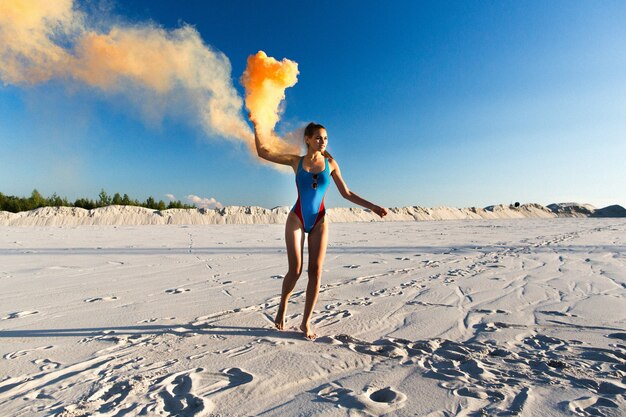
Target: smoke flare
265,81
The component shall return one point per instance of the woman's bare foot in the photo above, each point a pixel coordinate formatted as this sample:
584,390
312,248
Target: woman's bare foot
308,333
279,321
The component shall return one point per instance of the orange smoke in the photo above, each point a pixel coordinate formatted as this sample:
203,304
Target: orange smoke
28,55
265,81
158,70
42,40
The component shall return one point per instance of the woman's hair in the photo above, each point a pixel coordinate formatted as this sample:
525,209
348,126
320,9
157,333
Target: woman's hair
310,130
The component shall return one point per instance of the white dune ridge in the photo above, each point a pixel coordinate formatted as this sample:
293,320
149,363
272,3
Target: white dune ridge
495,317
131,215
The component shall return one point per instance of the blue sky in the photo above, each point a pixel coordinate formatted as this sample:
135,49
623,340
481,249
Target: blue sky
426,103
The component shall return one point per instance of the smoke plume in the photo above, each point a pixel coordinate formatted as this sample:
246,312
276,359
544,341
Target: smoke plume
42,40
265,81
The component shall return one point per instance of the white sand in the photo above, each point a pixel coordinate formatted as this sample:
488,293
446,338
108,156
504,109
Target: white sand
499,317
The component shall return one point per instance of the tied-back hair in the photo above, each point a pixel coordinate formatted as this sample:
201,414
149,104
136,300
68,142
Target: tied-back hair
309,130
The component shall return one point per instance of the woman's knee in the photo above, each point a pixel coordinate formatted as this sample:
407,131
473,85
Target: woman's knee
295,271
315,272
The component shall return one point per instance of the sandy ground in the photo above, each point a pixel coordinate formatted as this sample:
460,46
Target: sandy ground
468,318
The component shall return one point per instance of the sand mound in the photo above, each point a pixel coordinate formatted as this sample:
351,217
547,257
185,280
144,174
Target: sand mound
130,215
572,209
610,211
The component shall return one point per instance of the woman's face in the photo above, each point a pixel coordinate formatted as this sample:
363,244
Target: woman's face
318,141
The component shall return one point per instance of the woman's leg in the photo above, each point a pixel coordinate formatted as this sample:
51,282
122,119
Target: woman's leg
318,239
294,238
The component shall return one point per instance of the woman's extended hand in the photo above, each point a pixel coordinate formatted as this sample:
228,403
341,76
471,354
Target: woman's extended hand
381,211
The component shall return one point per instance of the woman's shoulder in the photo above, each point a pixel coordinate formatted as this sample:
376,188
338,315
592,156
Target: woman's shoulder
332,164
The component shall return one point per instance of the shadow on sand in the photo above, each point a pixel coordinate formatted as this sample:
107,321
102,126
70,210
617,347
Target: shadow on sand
143,330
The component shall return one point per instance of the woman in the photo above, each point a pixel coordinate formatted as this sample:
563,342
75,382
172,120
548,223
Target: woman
313,172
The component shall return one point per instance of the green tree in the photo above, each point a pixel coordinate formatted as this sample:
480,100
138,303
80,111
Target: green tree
175,205
9,203
150,203
56,201
16,204
36,200
85,203
103,199
13,204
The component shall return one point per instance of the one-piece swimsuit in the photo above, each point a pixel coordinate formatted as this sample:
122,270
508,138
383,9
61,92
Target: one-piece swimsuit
311,190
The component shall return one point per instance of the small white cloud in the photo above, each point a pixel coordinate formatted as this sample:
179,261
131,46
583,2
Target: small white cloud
204,202
170,197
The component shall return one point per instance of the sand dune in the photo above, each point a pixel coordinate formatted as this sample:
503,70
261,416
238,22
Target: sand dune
454,318
129,215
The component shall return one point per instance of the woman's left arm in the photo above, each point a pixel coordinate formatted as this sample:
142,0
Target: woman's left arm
352,196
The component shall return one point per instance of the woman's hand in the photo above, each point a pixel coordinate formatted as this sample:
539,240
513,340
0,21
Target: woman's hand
381,211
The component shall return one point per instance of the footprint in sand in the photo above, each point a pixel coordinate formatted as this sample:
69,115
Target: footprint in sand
592,406
458,273
19,315
177,290
19,353
502,377
385,397
95,299
488,311
248,347
556,313
172,395
543,342
413,283
361,301
46,364
329,318
620,336
388,347
374,401
425,303
237,376
153,319
386,292
150,320
178,396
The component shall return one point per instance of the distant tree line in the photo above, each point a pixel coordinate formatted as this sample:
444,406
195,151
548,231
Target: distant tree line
36,200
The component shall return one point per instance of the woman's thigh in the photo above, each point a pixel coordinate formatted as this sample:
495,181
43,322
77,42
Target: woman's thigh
318,240
294,239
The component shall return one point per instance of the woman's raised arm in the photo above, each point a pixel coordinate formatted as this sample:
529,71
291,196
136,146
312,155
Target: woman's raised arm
266,153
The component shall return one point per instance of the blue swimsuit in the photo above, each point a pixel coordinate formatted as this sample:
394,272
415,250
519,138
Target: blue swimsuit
311,190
